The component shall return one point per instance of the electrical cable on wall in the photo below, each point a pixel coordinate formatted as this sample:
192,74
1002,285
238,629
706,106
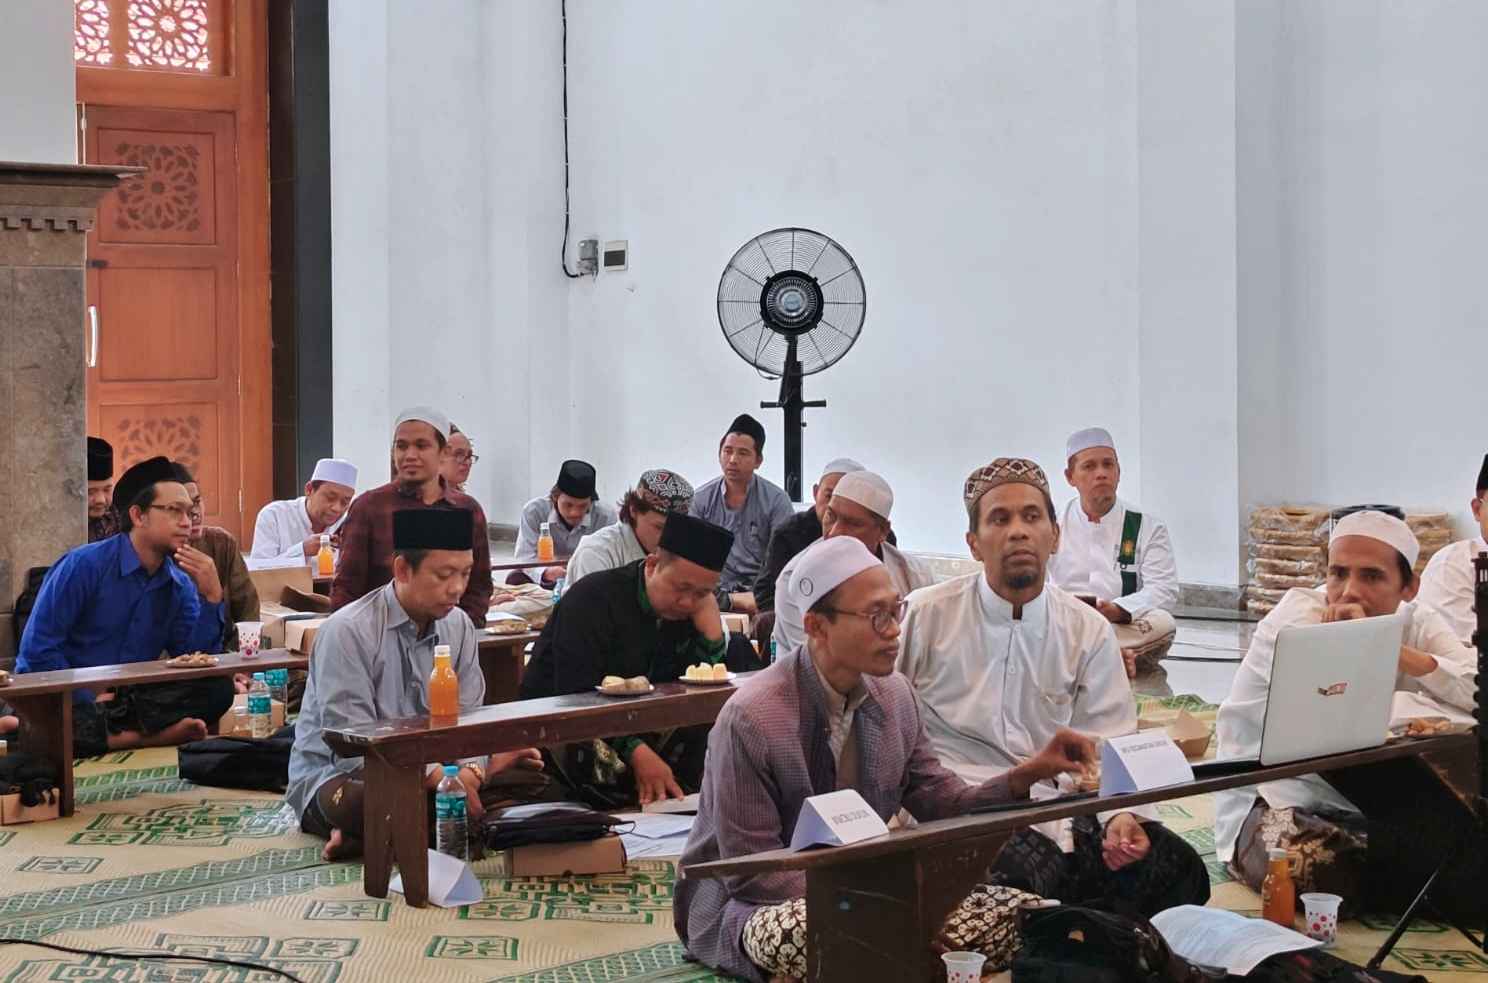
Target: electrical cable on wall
563,257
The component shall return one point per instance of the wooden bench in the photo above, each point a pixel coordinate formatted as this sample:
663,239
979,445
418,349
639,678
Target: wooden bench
503,659
397,753
872,908
43,700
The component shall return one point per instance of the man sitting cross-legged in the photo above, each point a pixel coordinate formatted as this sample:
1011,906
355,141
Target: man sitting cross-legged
127,599
373,659
1370,561
832,715
653,618
1001,659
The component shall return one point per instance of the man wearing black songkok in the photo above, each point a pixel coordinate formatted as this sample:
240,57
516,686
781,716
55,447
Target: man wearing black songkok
651,618
103,521
373,659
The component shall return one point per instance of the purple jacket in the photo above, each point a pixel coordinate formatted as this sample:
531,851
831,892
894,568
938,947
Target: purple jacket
757,778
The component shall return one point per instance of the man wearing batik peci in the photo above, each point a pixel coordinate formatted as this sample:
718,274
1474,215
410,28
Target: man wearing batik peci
643,514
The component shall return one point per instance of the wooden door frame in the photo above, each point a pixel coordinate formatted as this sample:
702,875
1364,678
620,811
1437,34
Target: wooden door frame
243,91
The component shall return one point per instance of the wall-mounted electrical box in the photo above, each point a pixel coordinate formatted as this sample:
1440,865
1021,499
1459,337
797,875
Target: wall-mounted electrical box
616,255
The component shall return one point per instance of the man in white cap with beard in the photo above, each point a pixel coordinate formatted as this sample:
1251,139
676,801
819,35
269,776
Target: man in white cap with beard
1113,557
860,728
290,530
858,507
1371,557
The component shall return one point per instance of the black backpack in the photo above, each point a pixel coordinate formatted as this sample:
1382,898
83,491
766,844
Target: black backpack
27,599
1071,944
239,762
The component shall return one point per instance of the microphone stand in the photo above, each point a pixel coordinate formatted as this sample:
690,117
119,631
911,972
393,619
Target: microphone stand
1475,837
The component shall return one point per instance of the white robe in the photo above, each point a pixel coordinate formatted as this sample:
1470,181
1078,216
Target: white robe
1086,562
1447,586
610,547
1242,716
281,528
907,573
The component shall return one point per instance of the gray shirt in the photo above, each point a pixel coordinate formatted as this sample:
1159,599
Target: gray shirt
765,507
611,547
565,540
370,665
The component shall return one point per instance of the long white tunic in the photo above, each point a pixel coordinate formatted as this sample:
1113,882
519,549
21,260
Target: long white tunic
279,533
1086,560
611,547
1243,713
996,688
907,573
1447,586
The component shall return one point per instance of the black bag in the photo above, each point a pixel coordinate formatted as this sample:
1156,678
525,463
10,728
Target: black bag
1071,944
544,822
27,599
1317,966
239,762
29,775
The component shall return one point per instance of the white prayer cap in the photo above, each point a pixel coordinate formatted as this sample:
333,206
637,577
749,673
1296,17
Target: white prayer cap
825,564
1083,440
425,414
336,471
868,490
841,465
1385,528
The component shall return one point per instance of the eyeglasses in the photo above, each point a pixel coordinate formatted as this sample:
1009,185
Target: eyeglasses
180,513
879,619
461,457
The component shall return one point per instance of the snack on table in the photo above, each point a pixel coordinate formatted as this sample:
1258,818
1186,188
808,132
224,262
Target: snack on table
508,626
637,684
192,660
720,671
612,682
705,673
4,678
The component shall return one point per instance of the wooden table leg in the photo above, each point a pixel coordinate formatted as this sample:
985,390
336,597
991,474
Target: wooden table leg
875,920
396,828
501,665
46,731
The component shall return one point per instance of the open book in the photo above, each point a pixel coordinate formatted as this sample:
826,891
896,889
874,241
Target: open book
1219,938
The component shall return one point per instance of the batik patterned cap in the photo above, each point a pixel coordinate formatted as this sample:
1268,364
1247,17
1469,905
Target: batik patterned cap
665,491
1003,471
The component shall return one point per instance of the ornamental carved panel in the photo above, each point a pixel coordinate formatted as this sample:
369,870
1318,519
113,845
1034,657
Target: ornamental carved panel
172,201
170,34
90,33
184,432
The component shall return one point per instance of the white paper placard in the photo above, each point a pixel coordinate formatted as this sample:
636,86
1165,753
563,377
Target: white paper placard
451,882
1138,762
836,819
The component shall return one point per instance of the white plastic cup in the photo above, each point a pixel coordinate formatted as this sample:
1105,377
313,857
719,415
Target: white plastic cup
963,967
1320,917
250,638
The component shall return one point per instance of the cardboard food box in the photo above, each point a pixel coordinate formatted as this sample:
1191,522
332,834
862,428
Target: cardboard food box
276,618
737,624
605,855
13,812
233,725
1191,734
299,635
270,583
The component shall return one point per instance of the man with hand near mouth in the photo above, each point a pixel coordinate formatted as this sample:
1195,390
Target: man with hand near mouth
1001,660
127,599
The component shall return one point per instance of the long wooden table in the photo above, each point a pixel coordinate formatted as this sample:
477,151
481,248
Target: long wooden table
873,907
503,659
43,700
397,753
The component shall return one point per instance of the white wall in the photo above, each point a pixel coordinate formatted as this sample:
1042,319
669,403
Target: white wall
1368,316
37,83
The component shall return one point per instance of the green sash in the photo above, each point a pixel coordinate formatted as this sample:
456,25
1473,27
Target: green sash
1126,556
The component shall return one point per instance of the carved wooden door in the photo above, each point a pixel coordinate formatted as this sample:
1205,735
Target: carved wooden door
164,377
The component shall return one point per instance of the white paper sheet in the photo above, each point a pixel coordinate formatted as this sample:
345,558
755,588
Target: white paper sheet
451,882
1214,937
657,826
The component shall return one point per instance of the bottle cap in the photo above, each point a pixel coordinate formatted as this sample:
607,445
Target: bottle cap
258,677
1276,854
545,527
325,539
443,650
450,771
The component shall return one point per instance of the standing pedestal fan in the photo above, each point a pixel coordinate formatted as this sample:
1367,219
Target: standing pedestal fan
791,303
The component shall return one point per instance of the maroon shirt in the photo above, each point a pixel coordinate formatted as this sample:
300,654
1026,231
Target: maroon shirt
366,560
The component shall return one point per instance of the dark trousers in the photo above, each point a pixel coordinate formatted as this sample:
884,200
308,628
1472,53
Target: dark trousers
148,710
1171,873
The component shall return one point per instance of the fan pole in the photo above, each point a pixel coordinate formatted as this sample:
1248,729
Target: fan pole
794,403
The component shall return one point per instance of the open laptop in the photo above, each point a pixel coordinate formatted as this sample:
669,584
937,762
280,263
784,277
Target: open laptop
1330,692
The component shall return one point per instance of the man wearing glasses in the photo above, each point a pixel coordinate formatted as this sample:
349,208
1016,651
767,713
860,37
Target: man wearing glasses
126,599
1001,660
859,507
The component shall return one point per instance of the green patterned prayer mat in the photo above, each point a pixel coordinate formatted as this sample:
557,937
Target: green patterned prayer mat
152,863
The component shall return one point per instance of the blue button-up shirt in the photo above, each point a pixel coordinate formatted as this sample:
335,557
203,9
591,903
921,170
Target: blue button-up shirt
99,607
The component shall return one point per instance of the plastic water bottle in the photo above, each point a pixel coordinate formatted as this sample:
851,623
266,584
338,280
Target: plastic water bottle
278,680
558,586
260,708
450,835
773,651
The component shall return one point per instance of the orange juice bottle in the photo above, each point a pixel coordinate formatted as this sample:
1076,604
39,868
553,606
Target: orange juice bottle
325,560
545,544
444,685
1278,894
